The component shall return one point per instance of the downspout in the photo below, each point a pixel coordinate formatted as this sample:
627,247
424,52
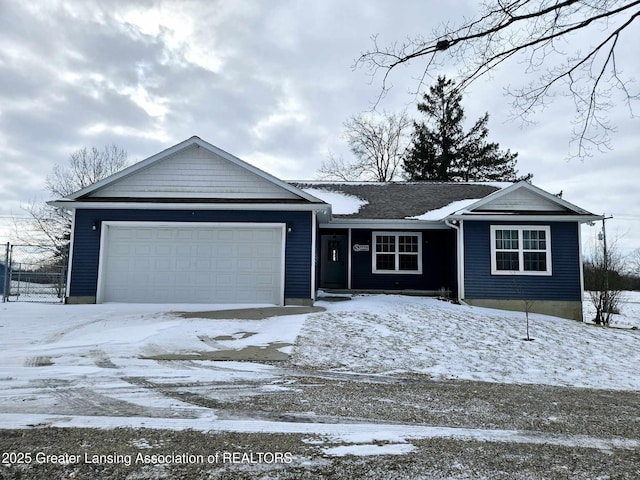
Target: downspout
459,256
314,252
580,260
67,287
349,259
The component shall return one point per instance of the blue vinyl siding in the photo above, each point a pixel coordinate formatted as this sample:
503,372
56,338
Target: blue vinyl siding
563,284
86,249
438,264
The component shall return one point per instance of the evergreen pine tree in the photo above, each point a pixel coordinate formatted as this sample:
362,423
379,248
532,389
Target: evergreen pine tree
443,151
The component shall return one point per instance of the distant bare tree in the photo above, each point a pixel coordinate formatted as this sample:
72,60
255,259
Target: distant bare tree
634,263
602,273
337,168
535,34
52,226
86,166
46,226
379,144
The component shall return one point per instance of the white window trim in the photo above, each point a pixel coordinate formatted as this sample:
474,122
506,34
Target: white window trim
397,253
521,271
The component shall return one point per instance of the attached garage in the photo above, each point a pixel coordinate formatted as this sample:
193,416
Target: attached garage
191,262
193,224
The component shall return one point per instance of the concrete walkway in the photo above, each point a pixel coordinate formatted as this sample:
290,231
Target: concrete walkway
271,352
251,313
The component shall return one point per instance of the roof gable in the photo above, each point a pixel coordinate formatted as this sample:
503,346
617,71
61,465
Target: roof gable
193,169
523,197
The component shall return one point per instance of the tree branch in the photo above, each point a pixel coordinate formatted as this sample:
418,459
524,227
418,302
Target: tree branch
508,28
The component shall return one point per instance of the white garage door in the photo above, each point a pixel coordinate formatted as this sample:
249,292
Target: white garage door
191,263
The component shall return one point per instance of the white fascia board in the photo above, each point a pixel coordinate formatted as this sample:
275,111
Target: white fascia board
516,217
136,167
71,205
385,224
176,148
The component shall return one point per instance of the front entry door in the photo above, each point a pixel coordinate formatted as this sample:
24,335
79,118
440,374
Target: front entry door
333,268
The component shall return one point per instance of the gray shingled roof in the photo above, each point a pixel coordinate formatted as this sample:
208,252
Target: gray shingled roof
399,200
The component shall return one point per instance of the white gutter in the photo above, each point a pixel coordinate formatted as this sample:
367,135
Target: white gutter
321,208
377,224
516,217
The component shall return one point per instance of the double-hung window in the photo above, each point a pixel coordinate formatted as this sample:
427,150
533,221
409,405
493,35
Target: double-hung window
397,252
520,250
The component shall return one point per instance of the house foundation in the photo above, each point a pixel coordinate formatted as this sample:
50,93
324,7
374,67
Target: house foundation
564,309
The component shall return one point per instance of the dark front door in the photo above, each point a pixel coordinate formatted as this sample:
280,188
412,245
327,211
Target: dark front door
333,267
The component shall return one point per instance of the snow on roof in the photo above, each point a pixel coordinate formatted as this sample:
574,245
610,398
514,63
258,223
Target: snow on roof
442,212
395,200
341,203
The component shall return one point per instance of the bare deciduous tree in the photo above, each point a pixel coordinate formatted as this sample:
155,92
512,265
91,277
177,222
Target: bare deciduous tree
379,143
634,262
51,225
537,33
601,269
337,168
86,166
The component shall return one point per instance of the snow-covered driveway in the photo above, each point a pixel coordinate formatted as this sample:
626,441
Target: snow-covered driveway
95,359
109,360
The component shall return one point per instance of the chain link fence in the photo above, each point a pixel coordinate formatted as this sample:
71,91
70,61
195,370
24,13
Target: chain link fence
33,273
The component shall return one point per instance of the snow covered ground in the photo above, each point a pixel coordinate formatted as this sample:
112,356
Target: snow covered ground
102,358
395,334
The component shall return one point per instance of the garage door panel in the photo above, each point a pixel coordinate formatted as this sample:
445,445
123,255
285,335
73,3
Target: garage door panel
205,265
263,280
142,234
192,264
139,264
223,265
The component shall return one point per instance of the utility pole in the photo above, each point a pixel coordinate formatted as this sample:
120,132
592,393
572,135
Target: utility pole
606,257
606,306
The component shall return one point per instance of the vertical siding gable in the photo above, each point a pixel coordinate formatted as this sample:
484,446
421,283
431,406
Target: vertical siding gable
563,284
195,172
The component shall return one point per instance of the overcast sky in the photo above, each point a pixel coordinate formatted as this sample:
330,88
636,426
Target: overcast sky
269,81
